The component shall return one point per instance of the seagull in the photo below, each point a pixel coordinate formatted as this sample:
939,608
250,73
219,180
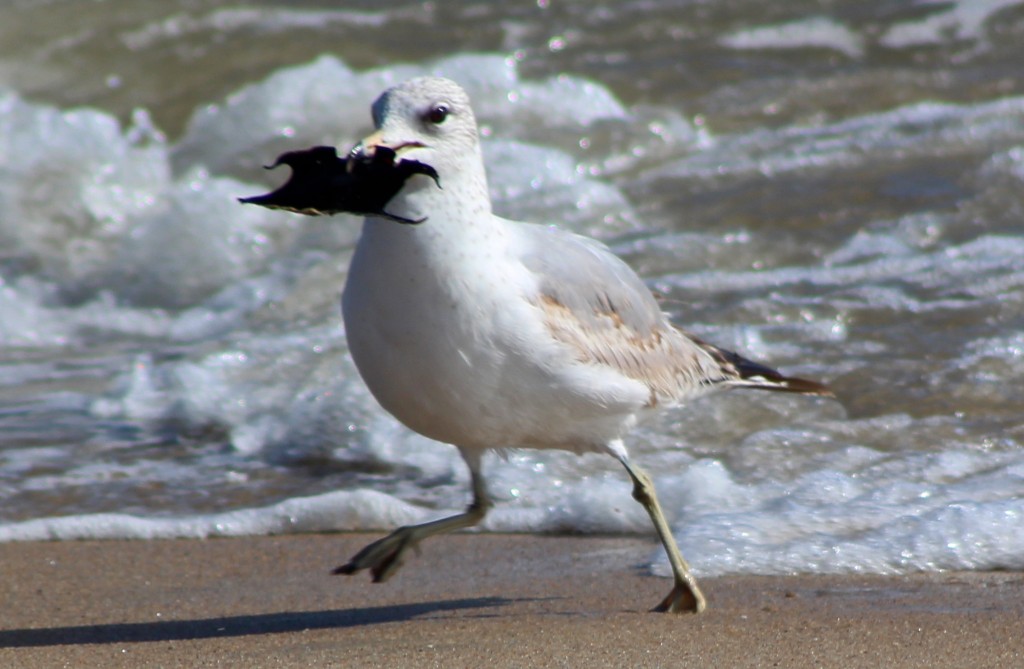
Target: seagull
490,334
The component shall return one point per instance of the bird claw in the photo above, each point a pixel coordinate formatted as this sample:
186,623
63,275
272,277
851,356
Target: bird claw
382,557
682,599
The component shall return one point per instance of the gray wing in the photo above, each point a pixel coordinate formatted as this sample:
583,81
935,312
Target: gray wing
595,303
588,279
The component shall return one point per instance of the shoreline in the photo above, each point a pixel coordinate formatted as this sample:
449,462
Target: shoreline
475,600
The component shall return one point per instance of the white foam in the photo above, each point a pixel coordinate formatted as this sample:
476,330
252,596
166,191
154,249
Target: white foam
872,520
26,321
916,130
343,510
962,20
197,243
73,185
965,266
225,20
816,32
529,182
236,312
325,102
35,317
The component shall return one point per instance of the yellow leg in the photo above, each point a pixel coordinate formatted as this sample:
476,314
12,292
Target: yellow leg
384,556
685,595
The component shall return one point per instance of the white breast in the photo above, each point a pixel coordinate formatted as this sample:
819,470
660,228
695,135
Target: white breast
448,340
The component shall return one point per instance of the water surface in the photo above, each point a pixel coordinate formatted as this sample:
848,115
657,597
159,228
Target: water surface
834,188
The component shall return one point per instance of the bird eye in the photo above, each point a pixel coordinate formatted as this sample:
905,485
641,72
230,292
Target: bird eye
438,113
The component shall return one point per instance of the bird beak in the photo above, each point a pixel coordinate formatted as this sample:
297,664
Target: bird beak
368,145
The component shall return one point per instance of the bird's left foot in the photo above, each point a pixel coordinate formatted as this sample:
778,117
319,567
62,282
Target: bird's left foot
684,598
384,556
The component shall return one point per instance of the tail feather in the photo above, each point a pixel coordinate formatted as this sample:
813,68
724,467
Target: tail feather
743,373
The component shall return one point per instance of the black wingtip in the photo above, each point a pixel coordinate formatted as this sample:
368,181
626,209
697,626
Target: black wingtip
744,373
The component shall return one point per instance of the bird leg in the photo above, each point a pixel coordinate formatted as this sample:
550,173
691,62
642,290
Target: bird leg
685,595
384,556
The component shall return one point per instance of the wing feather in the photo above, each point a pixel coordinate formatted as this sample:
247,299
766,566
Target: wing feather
595,304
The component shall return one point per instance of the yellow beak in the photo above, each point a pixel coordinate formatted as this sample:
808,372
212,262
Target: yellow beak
369,143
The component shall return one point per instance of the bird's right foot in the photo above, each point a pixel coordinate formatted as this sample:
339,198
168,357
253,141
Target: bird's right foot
384,556
682,599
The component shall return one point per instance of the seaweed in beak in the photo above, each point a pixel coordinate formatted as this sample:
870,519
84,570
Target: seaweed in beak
323,184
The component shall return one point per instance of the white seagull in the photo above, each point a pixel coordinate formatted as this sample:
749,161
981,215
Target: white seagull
487,333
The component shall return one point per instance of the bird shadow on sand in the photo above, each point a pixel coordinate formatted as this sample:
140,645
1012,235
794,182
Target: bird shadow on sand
236,626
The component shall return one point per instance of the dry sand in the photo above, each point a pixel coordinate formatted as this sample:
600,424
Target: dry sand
475,601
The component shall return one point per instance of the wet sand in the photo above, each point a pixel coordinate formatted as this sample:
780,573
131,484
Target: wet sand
475,601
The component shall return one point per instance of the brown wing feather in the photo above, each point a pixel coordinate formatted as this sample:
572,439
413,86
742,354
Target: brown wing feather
673,364
595,303
664,359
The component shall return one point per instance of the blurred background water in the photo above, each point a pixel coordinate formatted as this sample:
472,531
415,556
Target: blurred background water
831,187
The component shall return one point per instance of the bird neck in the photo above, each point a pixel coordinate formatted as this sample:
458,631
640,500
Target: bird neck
458,204
441,254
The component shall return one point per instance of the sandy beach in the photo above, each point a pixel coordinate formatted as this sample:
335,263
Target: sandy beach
473,601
